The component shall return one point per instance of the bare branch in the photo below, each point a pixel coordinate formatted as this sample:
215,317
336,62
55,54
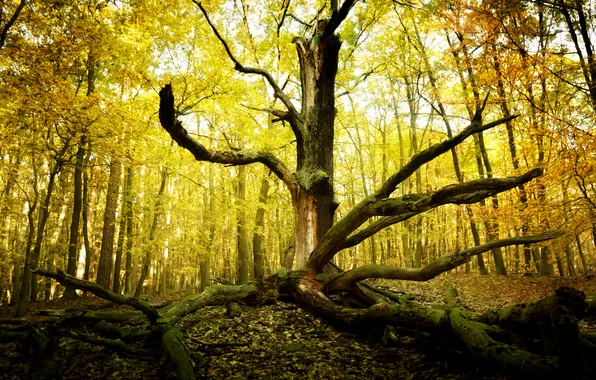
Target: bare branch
281,115
434,151
11,22
338,17
174,127
68,280
399,209
299,21
279,93
347,280
462,193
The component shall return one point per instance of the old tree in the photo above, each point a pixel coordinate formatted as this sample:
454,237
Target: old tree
318,285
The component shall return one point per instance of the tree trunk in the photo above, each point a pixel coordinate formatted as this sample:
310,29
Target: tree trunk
149,246
5,223
73,244
241,230
104,269
314,198
208,219
44,213
26,279
129,199
86,220
582,257
120,244
460,178
260,229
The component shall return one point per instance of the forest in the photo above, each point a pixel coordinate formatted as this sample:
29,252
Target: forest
251,165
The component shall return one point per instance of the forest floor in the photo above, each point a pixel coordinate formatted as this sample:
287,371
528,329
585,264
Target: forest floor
281,341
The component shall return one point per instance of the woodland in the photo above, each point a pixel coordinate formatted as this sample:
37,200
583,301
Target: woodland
261,163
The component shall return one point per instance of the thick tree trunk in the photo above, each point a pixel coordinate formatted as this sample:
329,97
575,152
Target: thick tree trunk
104,269
314,199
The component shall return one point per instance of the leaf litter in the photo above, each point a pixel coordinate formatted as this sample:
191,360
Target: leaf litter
282,341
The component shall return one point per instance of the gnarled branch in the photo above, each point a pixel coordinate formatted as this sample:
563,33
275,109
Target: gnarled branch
347,280
434,151
334,238
174,127
397,210
68,280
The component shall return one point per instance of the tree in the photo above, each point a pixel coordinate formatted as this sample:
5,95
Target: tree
320,231
317,239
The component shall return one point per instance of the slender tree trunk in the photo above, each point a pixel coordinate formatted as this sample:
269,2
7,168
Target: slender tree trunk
569,260
241,230
5,222
104,269
460,178
129,200
523,198
260,229
581,254
120,244
44,213
26,281
208,219
73,244
149,246
483,162
88,247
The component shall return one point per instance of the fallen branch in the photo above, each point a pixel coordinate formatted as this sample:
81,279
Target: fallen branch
171,337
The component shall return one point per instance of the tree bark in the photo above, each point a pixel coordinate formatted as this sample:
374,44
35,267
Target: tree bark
129,211
73,244
241,230
149,246
120,244
208,219
260,229
104,269
26,278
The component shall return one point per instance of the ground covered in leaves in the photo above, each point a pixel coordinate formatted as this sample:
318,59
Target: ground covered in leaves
281,341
